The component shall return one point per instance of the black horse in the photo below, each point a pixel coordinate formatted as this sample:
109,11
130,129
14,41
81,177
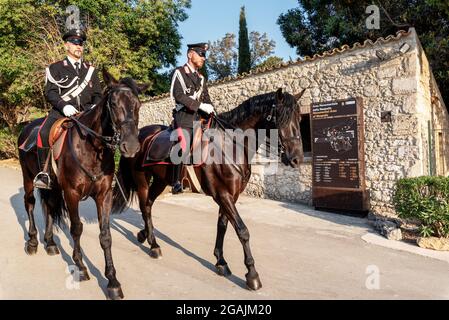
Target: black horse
224,182
85,168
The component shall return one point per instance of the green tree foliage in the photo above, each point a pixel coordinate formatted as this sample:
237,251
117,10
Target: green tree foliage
318,25
223,54
261,47
132,38
269,63
244,57
426,199
222,58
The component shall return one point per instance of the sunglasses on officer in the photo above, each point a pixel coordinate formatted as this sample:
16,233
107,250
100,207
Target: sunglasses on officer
201,53
76,41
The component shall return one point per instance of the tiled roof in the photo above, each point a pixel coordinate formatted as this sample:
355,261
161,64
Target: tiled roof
316,56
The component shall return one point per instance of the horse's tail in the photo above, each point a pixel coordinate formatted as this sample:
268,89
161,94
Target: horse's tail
55,204
124,188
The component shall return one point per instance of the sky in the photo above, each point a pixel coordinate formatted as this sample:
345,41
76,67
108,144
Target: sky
210,20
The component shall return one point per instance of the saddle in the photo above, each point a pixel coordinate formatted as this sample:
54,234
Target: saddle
58,133
158,147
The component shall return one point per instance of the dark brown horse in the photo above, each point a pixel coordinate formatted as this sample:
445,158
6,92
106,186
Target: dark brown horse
223,182
85,168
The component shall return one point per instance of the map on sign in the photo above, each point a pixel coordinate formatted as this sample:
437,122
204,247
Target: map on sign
335,144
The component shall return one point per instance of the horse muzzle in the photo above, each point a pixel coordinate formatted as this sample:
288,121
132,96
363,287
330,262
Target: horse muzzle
129,149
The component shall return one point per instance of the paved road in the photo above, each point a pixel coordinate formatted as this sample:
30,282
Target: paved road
300,254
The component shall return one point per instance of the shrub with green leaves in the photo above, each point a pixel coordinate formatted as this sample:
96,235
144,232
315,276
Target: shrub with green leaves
426,199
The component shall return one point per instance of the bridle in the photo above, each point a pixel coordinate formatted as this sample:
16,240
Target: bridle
272,118
117,136
110,142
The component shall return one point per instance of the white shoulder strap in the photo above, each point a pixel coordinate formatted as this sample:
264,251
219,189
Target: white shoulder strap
75,91
177,75
198,93
50,78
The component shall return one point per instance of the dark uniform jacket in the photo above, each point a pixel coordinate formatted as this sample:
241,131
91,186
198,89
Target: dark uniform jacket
189,113
63,69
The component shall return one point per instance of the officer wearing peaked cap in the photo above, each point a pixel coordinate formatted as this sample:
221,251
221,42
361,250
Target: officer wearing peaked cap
71,86
190,97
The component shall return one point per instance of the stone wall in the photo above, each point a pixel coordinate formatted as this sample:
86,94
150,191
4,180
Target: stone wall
400,84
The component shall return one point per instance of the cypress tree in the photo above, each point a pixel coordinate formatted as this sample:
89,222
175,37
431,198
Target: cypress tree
244,64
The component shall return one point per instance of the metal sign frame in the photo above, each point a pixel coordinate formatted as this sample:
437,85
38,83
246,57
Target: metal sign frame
339,191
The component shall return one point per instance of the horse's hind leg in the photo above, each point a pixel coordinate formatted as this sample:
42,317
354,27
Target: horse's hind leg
49,203
30,201
221,265
146,200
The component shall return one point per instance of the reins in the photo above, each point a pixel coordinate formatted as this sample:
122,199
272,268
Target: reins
110,142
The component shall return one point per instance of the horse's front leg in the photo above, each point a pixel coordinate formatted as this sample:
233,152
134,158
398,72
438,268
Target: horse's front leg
221,265
50,245
227,205
104,205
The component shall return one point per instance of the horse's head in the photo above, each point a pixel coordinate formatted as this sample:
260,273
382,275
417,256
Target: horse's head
123,105
288,118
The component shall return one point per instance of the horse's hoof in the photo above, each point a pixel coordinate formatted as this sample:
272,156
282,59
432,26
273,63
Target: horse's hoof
141,236
115,293
30,249
156,253
223,270
253,283
83,276
52,250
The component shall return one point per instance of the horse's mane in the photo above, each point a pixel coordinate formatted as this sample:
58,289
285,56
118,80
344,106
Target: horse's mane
130,83
261,104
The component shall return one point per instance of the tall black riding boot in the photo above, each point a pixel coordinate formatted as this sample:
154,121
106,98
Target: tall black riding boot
42,179
177,185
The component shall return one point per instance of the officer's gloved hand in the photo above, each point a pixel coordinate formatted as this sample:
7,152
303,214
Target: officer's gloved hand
207,108
69,110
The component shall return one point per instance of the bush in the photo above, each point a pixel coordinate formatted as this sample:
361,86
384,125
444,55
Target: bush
8,144
425,199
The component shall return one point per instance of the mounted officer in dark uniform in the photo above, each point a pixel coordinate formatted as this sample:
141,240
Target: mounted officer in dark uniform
71,86
190,97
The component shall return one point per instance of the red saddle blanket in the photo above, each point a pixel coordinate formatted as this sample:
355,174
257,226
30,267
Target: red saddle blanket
57,136
158,146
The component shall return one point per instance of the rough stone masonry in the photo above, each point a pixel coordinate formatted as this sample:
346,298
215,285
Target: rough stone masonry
414,143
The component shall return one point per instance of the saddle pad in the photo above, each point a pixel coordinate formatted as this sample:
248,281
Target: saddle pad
58,144
57,129
31,141
158,147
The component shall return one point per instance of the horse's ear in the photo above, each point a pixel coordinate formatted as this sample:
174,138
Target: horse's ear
142,87
299,95
108,78
279,95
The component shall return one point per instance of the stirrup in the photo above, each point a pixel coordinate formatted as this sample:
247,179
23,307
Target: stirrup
39,181
177,188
